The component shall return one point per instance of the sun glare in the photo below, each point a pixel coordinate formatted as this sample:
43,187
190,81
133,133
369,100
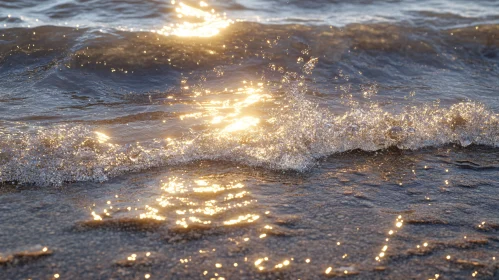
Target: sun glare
242,124
210,24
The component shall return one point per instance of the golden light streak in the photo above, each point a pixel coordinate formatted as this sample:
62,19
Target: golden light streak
242,124
210,25
96,217
249,218
101,137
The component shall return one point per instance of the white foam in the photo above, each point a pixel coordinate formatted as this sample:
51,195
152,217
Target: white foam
292,138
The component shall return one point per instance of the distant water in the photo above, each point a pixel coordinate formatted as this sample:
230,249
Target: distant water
349,133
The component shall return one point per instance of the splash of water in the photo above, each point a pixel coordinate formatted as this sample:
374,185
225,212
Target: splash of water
293,136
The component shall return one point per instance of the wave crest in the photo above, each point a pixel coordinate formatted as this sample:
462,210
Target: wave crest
293,136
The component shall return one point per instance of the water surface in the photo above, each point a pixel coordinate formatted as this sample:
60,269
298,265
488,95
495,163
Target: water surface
249,139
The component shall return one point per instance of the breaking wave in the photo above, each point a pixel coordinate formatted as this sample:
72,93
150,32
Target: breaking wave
293,137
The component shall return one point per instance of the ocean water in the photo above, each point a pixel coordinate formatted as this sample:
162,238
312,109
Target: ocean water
249,139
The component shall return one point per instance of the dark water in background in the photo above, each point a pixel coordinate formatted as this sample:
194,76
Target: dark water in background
296,139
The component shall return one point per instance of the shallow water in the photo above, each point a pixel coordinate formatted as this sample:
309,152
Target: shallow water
263,139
